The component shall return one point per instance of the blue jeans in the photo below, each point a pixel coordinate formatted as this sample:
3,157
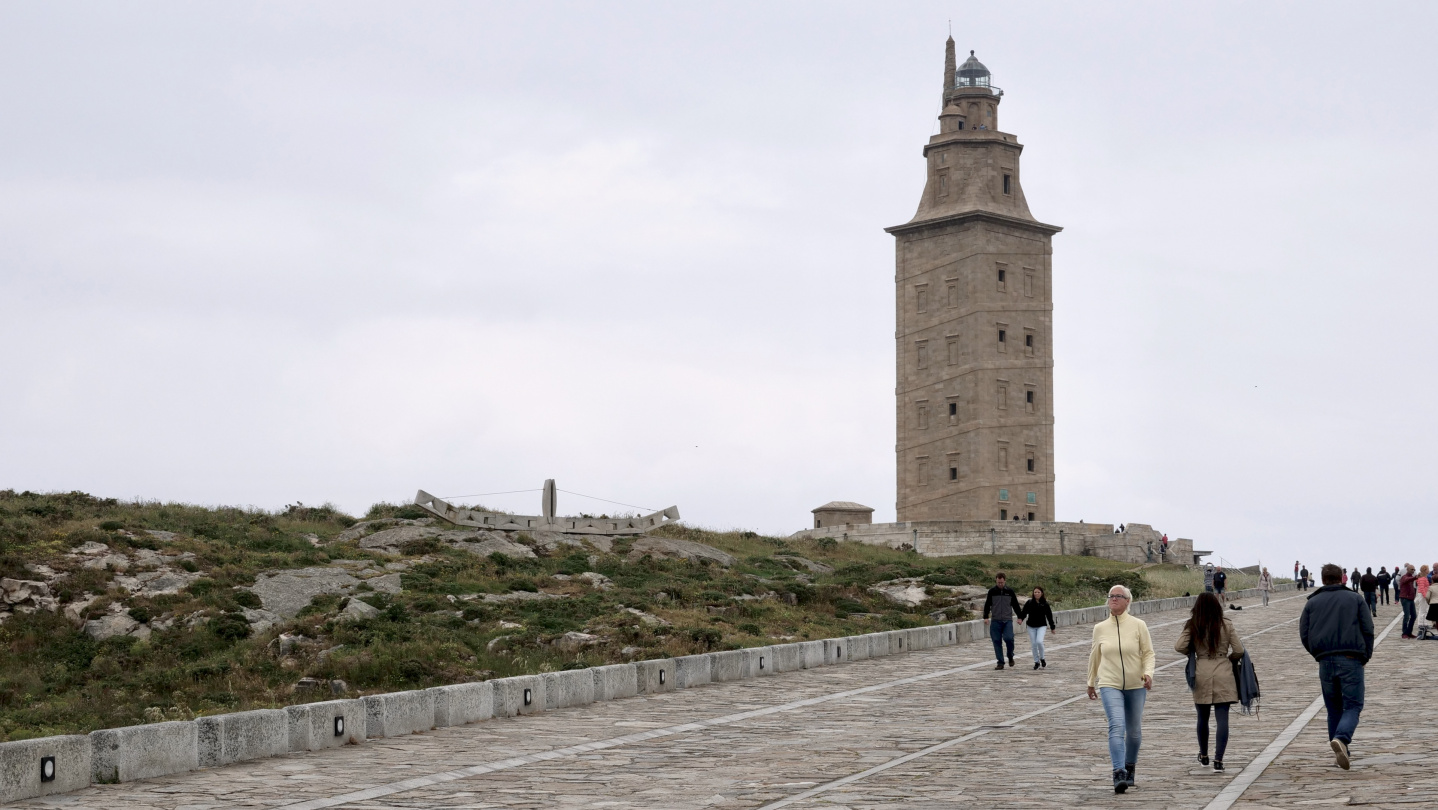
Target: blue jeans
1036,641
1001,633
1410,616
1342,681
1371,597
1124,709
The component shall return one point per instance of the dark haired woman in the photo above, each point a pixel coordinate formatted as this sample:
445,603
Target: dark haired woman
1038,619
1215,643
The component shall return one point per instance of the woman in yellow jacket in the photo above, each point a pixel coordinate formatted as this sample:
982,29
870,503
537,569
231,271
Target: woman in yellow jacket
1120,670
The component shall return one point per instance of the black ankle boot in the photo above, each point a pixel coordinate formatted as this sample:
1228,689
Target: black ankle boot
1120,780
1044,662
1036,665
1218,764
1128,769
1203,759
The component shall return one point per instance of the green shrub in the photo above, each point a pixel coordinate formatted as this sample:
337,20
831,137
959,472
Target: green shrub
230,627
248,599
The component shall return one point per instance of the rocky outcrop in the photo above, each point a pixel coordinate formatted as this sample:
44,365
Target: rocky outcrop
356,610
286,593
796,562
669,548
906,592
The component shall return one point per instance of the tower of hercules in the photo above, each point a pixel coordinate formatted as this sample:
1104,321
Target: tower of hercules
974,323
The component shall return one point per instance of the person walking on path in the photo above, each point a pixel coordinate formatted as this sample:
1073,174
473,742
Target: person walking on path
1355,579
1406,591
1214,643
1220,581
1265,585
1295,570
1421,587
1000,607
1038,619
1369,585
1383,578
1303,581
1208,578
1337,630
1120,670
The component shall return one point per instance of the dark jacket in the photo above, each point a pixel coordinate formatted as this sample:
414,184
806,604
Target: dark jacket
1220,579
1336,621
1383,579
1369,583
1247,679
1003,603
1037,613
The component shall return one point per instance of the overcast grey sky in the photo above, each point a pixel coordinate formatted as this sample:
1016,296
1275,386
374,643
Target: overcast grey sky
259,253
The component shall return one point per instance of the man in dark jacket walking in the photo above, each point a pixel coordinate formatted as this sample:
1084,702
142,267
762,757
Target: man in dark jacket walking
1368,583
1383,579
1303,579
1000,607
1336,628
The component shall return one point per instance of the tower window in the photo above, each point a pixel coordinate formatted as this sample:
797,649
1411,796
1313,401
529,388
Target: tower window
1029,341
1006,184
961,125
921,295
953,473
943,185
953,409
1033,497
923,351
1004,465
923,416
1001,275
1031,462
1003,494
953,346
1003,397
1031,517
1029,397
1003,514
1003,335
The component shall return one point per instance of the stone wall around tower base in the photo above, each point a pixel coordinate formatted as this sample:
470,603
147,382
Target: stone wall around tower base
1137,544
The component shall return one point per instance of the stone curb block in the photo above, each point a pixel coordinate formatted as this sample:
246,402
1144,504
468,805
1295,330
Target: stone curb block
692,670
330,724
68,759
727,666
462,703
397,713
520,694
140,752
616,681
858,647
571,687
811,654
226,738
758,662
836,650
787,658
656,675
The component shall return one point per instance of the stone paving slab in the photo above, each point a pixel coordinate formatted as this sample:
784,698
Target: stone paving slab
1053,758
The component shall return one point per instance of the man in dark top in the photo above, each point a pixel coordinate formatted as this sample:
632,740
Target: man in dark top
1383,578
1303,579
1336,628
1220,581
1368,583
1000,607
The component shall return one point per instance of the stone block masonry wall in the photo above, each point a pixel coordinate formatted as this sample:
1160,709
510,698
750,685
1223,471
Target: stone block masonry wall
31,768
947,538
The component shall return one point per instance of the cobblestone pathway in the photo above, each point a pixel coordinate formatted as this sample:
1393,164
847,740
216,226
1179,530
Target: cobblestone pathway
937,728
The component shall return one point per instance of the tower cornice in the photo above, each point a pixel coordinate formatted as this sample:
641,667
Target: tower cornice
964,216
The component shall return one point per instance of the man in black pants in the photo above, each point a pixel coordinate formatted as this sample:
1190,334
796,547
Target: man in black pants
1383,579
1368,583
1003,604
1303,579
1337,630
1220,581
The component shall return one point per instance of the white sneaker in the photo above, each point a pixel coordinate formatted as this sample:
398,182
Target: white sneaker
1340,753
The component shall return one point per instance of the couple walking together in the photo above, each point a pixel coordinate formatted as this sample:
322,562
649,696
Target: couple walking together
1001,608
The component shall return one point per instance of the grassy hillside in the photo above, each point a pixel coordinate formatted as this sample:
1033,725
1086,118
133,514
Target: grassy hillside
202,656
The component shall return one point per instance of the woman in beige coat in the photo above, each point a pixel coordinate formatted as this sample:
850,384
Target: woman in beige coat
1215,643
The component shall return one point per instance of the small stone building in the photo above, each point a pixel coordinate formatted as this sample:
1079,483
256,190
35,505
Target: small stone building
839,513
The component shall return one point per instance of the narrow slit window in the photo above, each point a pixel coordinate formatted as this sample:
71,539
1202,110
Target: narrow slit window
1003,335
1006,184
953,473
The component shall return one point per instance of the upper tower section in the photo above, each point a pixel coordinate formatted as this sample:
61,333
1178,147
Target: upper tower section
973,167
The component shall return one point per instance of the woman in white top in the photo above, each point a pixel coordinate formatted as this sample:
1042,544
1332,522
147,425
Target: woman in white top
1265,584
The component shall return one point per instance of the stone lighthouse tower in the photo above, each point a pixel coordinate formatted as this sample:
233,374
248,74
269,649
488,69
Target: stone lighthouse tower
974,315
